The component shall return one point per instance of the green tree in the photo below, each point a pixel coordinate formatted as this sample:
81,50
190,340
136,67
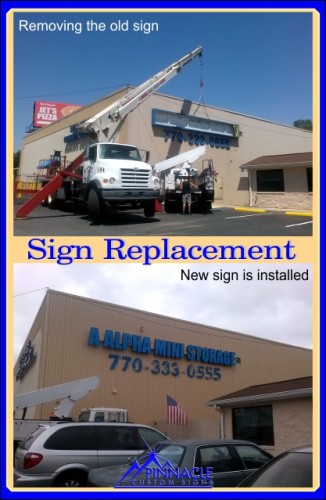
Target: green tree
304,124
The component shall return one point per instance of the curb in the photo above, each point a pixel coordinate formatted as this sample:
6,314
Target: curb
304,214
246,209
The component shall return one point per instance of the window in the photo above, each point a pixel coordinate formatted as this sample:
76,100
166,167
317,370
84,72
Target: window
309,179
270,180
170,452
117,438
84,416
92,153
217,457
149,437
72,438
99,416
252,457
118,152
254,424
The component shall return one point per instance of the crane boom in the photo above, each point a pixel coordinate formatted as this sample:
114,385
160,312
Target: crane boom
187,157
70,391
101,123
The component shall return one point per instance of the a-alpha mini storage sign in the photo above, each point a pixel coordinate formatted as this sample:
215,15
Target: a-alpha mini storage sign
49,112
202,359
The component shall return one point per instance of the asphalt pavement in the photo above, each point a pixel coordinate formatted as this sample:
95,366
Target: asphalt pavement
220,221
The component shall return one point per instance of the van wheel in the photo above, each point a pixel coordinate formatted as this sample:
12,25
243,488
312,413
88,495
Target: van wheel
95,204
71,479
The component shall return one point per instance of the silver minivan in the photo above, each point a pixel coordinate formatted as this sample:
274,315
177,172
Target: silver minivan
62,455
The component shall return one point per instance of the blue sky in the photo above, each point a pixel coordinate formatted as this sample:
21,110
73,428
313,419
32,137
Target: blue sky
258,64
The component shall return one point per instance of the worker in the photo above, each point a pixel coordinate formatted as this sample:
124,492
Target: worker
54,414
186,187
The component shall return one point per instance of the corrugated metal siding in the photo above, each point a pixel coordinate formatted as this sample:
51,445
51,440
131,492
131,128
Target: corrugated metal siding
40,144
68,357
259,137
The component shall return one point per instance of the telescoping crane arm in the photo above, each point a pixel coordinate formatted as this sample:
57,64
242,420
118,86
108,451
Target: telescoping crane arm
102,122
69,392
184,158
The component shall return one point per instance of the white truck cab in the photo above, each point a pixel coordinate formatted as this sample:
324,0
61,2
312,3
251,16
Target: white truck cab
115,173
103,415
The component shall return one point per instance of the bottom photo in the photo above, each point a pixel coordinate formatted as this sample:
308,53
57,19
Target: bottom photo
166,376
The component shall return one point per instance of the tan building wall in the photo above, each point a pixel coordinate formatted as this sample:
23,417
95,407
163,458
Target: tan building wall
64,355
295,193
258,137
292,419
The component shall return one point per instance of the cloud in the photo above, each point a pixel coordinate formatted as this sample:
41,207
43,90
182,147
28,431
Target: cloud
276,310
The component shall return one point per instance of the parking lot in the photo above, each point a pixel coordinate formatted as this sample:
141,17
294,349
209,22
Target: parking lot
220,221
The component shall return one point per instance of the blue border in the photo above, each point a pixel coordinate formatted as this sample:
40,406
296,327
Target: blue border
318,6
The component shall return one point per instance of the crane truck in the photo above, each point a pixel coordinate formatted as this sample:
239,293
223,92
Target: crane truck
68,393
175,169
107,172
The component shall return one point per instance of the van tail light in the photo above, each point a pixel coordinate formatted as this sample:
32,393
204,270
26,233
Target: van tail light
32,459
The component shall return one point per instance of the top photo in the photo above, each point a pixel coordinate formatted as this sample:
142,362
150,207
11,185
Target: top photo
144,123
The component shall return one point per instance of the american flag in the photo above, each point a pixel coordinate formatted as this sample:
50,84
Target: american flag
176,415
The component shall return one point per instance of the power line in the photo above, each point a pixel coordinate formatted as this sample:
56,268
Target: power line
32,291
73,92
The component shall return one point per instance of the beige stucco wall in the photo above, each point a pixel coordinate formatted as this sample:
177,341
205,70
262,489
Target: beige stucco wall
259,137
66,356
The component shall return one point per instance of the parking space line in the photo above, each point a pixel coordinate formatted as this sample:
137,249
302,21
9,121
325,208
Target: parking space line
241,216
300,223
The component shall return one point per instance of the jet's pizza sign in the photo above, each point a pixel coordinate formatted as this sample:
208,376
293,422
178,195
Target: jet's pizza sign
49,112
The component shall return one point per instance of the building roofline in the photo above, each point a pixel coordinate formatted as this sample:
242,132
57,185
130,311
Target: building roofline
295,393
238,335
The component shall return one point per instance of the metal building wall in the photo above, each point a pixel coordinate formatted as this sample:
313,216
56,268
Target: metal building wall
66,356
40,144
259,137
34,376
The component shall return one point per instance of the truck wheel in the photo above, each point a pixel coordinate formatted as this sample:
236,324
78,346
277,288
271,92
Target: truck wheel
206,206
149,208
52,201
71,479
168,206
95,204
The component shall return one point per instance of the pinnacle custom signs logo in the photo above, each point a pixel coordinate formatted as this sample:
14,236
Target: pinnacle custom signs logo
158,469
